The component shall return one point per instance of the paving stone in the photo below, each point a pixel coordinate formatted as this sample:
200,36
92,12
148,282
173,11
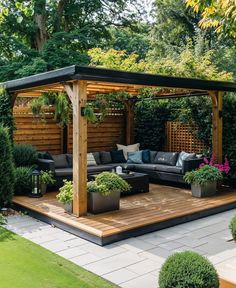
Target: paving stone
135,245
69,253
191,242
42,239
227,270
200,233
55,245
76,242
159,251
147,280
144,267
216,247
168,234
153,239
171,245
85,259
120,276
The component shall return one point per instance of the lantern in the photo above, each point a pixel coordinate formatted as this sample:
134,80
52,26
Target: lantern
35,184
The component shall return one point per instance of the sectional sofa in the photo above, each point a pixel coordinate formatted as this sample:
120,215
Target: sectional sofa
167,166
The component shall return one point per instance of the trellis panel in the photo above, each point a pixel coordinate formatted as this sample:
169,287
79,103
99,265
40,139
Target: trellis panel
180,137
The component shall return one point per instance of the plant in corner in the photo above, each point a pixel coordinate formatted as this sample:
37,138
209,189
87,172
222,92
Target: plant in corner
188,269
104,192
232,227
65,195
24,155
203,180
46,177
7,176
23,183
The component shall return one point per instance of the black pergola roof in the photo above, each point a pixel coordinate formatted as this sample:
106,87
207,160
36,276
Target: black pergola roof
113,76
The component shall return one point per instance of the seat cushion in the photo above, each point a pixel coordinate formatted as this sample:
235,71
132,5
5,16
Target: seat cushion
118,156
152,156
60,161
105,157
98,169
145,167
184,156
60,172
168,169
166,158
97,158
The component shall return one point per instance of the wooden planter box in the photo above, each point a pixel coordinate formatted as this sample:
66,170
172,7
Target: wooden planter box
209,189
99,204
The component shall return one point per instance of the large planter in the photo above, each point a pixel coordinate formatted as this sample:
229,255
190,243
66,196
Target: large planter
43,188
68,207
209,189
99,204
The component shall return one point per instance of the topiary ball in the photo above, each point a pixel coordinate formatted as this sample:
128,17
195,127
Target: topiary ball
188,270
232,227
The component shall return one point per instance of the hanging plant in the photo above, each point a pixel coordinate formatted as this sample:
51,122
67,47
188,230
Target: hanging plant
36,107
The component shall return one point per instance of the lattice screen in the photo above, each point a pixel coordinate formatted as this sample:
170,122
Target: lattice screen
179,137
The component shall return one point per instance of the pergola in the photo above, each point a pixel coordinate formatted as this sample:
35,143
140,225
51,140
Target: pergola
82,83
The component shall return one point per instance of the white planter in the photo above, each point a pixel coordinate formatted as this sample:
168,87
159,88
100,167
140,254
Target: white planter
68,207
209,189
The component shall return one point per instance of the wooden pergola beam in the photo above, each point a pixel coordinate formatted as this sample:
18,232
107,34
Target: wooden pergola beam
129,116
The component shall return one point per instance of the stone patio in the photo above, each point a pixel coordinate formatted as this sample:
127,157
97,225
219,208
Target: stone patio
135,262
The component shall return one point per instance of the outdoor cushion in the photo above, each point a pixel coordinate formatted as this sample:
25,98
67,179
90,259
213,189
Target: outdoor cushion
168,169
91,160
98,169
184,156
145,167
60,161
63,172
118,156
166,158
96,156
152,156
129,148
146,157
126,165
135,157
105,157
69,158
48,156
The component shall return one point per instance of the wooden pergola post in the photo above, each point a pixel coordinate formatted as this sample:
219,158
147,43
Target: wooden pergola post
129,116
78,97
217,124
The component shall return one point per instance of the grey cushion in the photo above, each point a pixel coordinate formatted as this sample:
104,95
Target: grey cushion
64,172
105,157
60,161
96,156
91,160
135,157
98,168
124,165
152,156
184,156
166,158
168,169
69,158
145,167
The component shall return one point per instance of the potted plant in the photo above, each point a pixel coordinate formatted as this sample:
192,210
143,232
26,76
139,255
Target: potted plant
46,178
104,192
203,180
65,195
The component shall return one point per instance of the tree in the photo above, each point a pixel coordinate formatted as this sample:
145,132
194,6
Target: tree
219,14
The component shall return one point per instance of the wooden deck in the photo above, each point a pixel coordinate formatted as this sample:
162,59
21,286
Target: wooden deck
162,207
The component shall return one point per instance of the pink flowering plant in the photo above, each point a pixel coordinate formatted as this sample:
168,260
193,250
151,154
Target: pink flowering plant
223,168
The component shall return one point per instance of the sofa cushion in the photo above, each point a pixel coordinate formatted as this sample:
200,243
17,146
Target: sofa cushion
118,156
91,160
184,156
98,169
97,158
60,161
152,156
47,155
129,148
105,157
126,165
166,158
168,169
135,157
145,167
146,157
61,172
69,158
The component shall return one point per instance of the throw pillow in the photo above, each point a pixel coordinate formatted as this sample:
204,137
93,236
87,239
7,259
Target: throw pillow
118,156
135,157
166,158
184,156
129,148
60,161
48,156
153,156
69,158
91,160
96,156
146,157
105,157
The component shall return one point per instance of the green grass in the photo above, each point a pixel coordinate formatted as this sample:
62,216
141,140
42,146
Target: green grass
25,264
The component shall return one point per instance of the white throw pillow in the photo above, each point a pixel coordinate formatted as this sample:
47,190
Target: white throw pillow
129,148
184,156
91,160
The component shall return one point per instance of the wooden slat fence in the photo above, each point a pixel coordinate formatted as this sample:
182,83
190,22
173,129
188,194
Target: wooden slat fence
179,137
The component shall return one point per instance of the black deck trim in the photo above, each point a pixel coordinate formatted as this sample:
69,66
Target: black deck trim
102,241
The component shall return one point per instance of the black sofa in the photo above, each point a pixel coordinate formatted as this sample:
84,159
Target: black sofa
165,169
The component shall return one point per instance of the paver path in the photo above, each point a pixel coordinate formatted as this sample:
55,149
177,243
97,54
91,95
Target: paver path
135,262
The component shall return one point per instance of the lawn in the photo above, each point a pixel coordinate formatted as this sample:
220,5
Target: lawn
25,264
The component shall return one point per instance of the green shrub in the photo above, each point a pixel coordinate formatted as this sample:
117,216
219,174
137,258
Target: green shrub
188,270
65,194
7,178
6,116
3,220
23,180
232,227
24,155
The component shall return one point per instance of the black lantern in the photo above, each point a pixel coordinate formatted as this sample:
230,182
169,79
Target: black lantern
35,185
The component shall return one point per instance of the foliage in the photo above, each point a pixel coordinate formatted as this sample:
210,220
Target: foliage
203,175
7,178
3,220
23,180
219,14
24,155
232,227
6,117
188,269
36,106
222,167
106,183
46,177
65,194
